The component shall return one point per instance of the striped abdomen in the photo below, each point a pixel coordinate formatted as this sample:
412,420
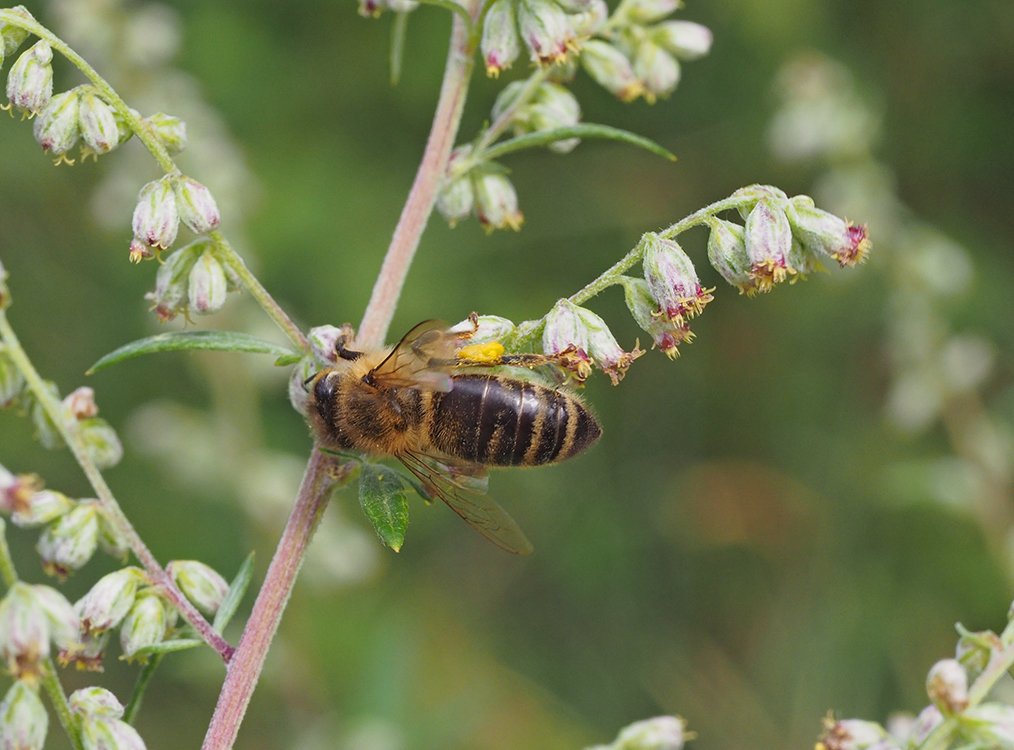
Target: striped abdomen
502,422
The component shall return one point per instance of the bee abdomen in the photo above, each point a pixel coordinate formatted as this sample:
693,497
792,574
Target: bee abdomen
504,422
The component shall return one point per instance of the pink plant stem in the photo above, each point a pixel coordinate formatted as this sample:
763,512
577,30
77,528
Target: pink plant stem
422,197
248,660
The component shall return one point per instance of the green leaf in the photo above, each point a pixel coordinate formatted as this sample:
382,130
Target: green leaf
234,595
398,27
583,130
221,341
167,647
382,493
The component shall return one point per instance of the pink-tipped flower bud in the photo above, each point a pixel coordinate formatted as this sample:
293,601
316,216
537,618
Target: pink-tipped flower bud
768,239
23,718
659,733
196,206
16,491
546,30
109,600
30,80
324,342
496,202
566,338
156,216
80,403
12,36
727,254
685,39
500,44
200,583
95,701
139,251
170,130
99,129
57,128
823,233
947,686
42,507
12,382
853,734
172,281
673,280
207,285
611,69
145,625
603,348
99,733
68,543
666,334
657,70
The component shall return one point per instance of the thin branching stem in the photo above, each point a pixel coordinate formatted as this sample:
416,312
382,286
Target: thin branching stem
143,679
111,508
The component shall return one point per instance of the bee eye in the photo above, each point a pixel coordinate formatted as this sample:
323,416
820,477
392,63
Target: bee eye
324,391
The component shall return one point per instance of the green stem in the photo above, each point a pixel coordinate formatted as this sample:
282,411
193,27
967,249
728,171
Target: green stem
8,573
110,507
261,295
51,684
143,678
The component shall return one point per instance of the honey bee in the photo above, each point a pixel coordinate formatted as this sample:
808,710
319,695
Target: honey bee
447,420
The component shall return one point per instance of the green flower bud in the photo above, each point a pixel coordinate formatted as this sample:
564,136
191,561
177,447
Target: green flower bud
112,542
46,430
500,44
947,686
553,106
30,80
57,129
727,254
666,335
197,207
101,442
989,725
482,329
97,122
673,280
145,624
23,718
156,216
11,35
823,233
95,701
98,733
657,70
546,30
768,239
64,626
172,281
456,199
12,382
591,19
204,587
24,630
642,12
42,507
109,600
660,733
566,337
496,202
207,284
170,130
611,69
68,543
685,39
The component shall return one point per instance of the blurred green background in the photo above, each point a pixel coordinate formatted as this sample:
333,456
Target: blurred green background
751,544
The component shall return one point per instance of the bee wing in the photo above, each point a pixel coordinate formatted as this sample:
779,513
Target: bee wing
480,512
422,359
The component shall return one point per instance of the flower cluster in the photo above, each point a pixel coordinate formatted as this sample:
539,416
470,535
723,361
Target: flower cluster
32,617
579,339
99,715
161,205
548,30
483,190
72,530
192,279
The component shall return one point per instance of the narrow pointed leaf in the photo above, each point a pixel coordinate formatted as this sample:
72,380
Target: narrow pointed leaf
174,341
383,493
582,130
167,647
234,595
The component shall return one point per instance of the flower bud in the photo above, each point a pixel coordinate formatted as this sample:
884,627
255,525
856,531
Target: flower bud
496,202
500,44
172,281
12,382
109,600
768,239
30,80
591,19
657,70
204,587
64,626
111,540
947,686
145,624
170,130
23,718
324,342
455,200
852,734
11,36
42,507
69,542
57,128
553,106
659,733
927,720
101,442
139,251
95,701
16,491
46,430
156,216
603,348
824,233
643,12
87,654
481,329
667,335
611,69
685,39
5,294
207,284
989,725
672,280
727,254
566,337
299,396
546,30
80,403
197,207
98,733
24,630
97,121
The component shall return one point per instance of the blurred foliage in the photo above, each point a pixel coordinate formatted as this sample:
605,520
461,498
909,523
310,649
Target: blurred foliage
731,551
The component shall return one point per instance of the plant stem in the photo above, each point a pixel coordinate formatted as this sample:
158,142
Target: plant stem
8,573
143,678
245,667
110,507
423,195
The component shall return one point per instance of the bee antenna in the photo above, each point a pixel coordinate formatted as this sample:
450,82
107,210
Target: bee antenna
307,382
343,353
